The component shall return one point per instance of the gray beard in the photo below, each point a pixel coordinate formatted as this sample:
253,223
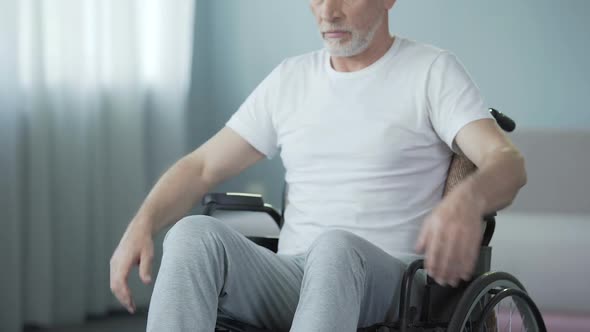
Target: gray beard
357,45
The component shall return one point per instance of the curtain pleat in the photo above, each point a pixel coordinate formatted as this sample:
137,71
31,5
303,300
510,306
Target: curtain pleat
98,94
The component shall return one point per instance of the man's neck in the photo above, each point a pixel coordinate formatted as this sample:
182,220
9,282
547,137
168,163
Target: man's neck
376,50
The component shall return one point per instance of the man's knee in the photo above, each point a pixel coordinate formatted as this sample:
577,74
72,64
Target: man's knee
195,233
336,239
337,247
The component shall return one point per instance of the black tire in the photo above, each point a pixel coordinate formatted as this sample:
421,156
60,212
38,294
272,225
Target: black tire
479,291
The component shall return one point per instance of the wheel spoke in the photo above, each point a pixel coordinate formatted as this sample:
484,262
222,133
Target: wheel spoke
490,296
511,312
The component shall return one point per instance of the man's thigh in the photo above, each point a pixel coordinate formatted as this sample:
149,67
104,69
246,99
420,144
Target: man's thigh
383,285
261,288
382,273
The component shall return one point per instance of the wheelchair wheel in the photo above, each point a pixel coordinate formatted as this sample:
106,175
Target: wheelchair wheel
496,301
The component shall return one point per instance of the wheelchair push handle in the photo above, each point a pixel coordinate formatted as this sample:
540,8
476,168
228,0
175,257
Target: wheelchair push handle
504,121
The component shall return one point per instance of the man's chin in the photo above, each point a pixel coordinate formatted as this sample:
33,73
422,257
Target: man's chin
338,49
346,49
341,52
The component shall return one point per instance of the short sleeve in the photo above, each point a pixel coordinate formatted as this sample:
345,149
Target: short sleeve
253,121
454,99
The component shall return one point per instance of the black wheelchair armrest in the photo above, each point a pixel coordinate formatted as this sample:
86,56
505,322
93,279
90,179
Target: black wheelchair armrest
503,120
270,243
239,202
243,199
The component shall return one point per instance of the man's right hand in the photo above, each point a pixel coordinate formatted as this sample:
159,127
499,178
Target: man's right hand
224,155
136,247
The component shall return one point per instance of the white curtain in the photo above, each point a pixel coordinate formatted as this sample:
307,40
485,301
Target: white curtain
93,106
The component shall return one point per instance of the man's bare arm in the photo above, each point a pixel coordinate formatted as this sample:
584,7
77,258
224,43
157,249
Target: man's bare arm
178,190
226,154
451,235
501,169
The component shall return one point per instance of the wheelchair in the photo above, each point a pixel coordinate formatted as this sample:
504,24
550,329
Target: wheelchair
487,302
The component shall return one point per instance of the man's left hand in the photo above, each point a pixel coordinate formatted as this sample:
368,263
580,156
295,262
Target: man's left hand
451,236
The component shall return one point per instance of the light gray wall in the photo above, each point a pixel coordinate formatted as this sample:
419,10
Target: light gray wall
558,166
529,57
548,253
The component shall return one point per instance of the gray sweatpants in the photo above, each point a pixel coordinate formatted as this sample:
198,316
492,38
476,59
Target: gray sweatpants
341,283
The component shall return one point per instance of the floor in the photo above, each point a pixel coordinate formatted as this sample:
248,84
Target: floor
559,322
136,323
117,323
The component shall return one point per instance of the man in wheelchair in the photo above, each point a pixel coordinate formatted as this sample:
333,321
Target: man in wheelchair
366,128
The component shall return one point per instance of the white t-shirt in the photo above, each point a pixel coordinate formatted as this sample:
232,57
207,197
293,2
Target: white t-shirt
366,151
